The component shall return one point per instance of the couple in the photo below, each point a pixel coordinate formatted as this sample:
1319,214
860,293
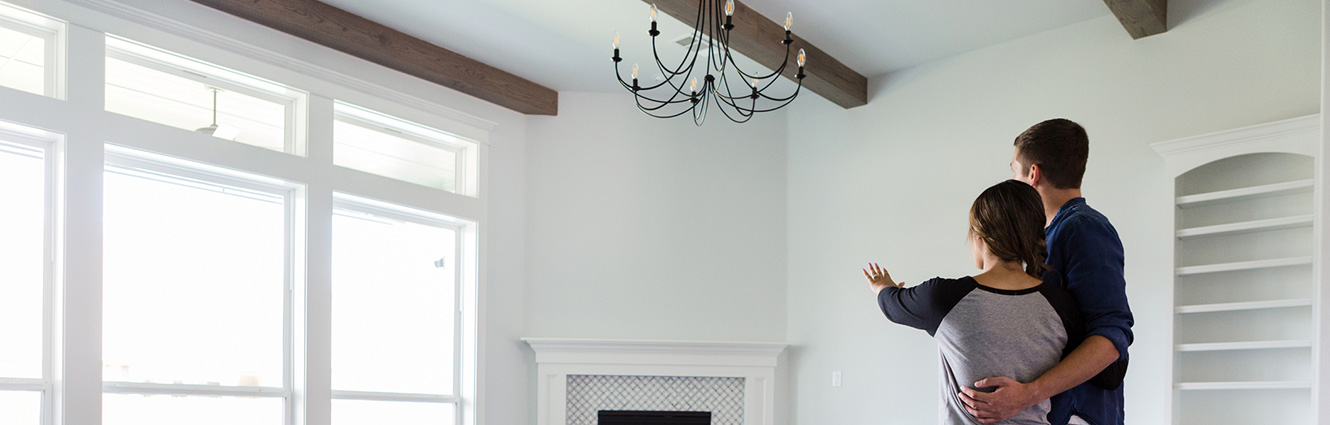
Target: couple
1041,335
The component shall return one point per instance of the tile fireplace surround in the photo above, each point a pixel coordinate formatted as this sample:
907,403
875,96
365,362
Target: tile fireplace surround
655,375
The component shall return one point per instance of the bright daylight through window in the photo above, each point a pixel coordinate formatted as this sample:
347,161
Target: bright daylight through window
27,50
166,88
375,143
194,295
394,297
156,268
23,274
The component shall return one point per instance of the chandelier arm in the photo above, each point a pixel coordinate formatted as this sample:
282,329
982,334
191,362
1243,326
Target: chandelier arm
639,107
787,98
783,64
659,103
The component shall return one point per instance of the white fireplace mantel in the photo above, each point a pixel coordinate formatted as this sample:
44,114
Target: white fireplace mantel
556,358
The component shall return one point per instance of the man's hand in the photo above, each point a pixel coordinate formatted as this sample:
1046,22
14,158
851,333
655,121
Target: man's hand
1009,398
878,278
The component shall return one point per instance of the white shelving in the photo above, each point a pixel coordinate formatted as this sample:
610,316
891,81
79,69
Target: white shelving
1242,287
1245,305
1245,345
1243,265
1246,193
1248,226
1244,385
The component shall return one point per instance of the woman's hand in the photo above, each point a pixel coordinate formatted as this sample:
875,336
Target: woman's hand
878,278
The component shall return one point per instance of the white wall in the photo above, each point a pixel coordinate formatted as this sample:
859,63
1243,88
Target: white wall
641,228
892,181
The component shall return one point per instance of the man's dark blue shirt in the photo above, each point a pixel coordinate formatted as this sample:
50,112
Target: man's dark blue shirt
1084,248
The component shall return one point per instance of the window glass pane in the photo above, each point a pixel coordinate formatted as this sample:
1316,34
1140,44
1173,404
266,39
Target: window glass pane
22,60
134,409
145,89
194,280
22,260
20,408
375,143
363,412
393,305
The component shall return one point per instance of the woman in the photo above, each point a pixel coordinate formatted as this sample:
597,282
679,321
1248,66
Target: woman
1005,321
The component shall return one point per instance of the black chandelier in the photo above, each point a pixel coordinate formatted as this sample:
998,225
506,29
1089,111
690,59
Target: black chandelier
739,103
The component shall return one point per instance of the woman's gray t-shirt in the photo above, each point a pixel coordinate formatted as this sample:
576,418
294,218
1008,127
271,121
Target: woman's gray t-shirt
984,332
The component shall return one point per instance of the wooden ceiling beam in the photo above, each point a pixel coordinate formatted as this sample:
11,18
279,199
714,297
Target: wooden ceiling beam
759,39
1141,18
341,30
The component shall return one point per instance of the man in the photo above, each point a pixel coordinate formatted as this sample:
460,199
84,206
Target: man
1084,248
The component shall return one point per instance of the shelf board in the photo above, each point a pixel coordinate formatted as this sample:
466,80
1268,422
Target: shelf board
1245,345
1249,305
1248,226
1245,385
1246,193
1243,265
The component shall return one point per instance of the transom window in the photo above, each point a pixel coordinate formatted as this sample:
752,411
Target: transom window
28,51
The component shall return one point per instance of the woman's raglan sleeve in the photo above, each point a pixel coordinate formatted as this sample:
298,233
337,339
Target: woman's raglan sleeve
922,306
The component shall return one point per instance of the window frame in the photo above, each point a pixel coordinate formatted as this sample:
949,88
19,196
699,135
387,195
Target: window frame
147,163
208,74
19,138
319,76
463,152
361,205
50,30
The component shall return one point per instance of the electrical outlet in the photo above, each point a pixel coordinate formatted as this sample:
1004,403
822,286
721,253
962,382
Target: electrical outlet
835,378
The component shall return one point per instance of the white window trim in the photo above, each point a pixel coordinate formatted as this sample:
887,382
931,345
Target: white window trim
53,32
149,164
462,268
292,100
78,385
47,144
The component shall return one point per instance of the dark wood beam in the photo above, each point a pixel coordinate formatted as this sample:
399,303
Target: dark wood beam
1141,18
759,39
365,39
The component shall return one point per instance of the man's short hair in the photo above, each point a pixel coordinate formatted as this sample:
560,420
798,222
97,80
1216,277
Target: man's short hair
1059,147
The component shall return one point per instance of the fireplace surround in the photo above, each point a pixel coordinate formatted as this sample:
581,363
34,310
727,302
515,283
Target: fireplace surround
677,367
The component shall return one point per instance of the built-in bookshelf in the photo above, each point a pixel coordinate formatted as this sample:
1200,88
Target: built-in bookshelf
1243,282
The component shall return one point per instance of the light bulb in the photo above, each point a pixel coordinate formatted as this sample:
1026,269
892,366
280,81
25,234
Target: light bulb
729,8
634,71
653,12
694,88
789,19
616,41
802,58
754,84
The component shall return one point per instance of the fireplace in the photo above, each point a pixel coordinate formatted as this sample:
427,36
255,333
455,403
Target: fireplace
733,382
646,417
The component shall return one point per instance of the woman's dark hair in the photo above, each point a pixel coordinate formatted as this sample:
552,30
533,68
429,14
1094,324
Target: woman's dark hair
1009,218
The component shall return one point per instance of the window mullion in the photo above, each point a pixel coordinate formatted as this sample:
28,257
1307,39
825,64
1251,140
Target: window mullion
77,352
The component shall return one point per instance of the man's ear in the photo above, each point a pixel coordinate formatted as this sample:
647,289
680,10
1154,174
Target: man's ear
1036,175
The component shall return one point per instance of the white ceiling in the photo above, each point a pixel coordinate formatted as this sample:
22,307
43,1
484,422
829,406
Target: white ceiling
565,44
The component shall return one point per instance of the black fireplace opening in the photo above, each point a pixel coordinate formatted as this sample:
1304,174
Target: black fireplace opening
646,417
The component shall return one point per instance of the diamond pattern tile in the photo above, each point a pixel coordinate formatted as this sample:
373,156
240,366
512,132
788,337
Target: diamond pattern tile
589,394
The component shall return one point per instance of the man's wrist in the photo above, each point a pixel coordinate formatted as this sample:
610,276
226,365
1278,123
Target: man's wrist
1036,393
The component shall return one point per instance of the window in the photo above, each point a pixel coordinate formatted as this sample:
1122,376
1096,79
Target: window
166,88
24,279
28,49
395,315
229,279
379,144
195,295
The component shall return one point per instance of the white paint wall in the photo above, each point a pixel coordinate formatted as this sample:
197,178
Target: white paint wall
641,228
892,181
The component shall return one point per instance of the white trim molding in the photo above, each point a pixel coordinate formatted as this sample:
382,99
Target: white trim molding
556,358
1296,135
